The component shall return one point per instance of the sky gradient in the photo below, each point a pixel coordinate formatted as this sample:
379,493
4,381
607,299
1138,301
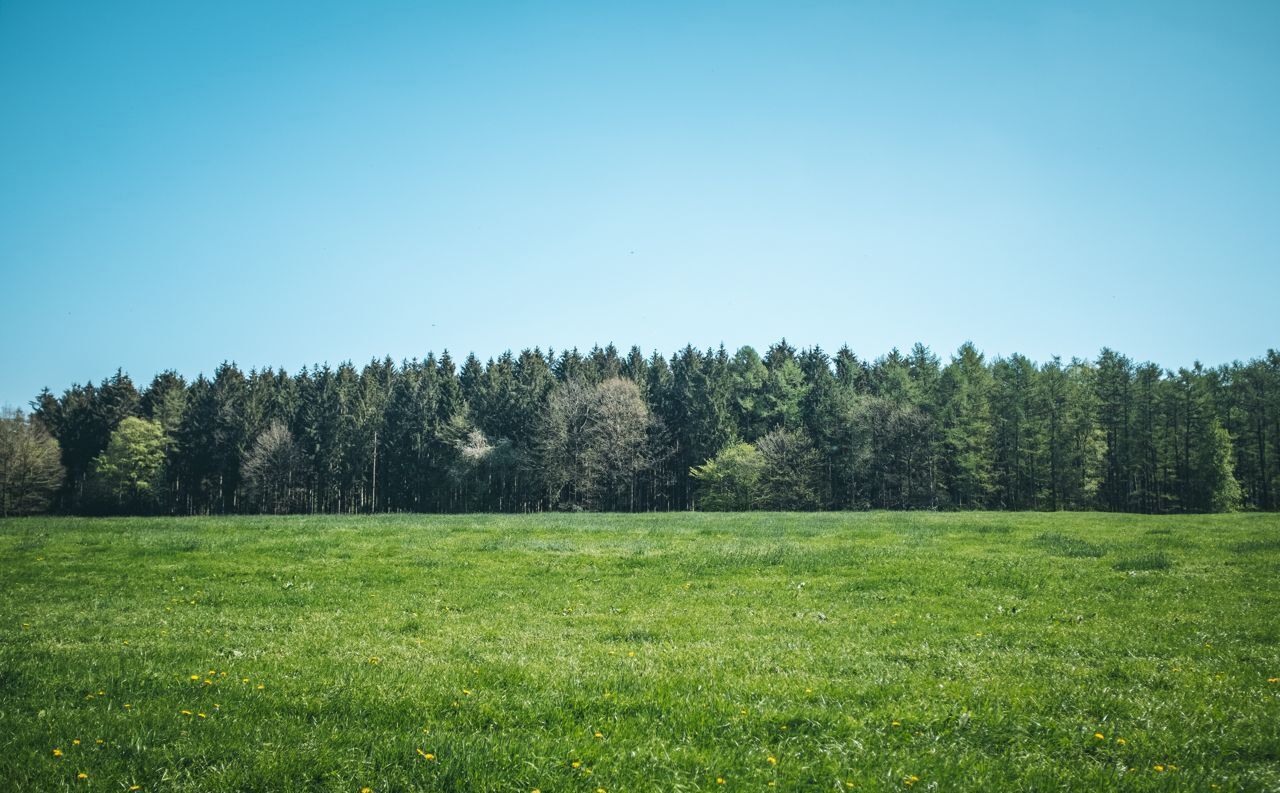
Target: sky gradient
285,184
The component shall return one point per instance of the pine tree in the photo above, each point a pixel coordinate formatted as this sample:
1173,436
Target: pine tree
965,391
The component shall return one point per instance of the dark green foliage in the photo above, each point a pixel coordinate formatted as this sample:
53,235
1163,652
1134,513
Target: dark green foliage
1145,562
82,420
1073,547
967,428
522,433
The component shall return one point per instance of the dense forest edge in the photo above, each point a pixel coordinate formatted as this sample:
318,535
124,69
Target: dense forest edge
703,429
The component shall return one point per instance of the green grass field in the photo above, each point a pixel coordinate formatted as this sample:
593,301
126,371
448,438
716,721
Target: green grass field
882,651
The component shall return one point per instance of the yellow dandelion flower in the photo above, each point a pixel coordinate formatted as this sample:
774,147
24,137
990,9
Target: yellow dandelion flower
1273,679
719,780
99,742
186,713
102,693
57,753
126,644
75,741
599,735
127,706
771,760
203,715
1099,736
195,677
1121,741
366,790
1159,768
896,724
576,764
466,691
244,680
261,686
208,682
82,775
631,654
135,787
911,780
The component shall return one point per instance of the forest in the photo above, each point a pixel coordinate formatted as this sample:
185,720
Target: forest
703,429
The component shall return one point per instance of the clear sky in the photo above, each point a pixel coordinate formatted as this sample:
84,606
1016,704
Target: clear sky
283,184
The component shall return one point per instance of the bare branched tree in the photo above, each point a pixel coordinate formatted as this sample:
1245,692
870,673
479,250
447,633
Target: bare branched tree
30,465
273,471
616,449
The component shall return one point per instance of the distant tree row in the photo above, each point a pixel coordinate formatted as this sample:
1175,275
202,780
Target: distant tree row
796,430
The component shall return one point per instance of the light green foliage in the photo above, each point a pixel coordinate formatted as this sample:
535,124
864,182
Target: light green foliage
974,651
779,471
1217,470
30,466
789,470
133,458
730,480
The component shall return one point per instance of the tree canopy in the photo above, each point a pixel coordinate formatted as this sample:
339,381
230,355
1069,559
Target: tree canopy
789,429
30,465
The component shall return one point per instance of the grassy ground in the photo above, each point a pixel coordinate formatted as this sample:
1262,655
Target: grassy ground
830,652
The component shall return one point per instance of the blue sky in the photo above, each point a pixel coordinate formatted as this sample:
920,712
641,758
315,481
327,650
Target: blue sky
283,184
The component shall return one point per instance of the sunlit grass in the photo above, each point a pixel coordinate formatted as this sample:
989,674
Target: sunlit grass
883,651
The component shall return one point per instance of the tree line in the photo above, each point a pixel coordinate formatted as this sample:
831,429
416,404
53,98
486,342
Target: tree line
703,429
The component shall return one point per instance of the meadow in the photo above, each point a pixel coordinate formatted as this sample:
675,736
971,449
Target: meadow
657,652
